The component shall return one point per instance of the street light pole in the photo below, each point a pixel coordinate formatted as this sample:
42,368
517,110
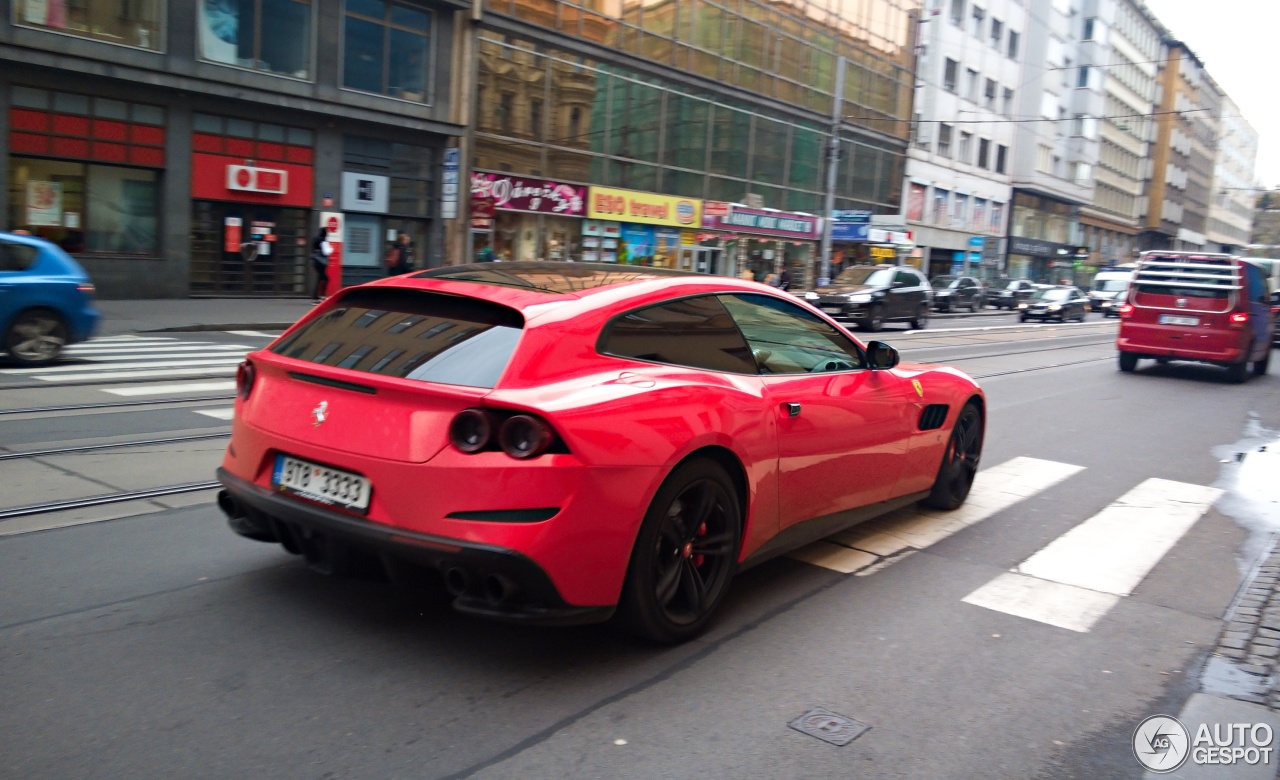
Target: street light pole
833,168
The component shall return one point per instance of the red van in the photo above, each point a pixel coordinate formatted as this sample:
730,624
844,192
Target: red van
1194,306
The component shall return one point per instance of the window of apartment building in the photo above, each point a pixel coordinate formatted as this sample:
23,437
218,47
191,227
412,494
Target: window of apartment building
385,48
1087,35
1002,158
989,95
984,153
1008,102
959,209
127,23
506,111
535,119
941,199
1082,80
944,140
1044,159
267,35
966,148
950,72
957,12
971,84
997,33
979,17
1055,165
1013,45
920,133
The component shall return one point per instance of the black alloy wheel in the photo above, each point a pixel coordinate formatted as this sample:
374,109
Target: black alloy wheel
874,320
1239,372
685,555
1260,366
1128,361
959,462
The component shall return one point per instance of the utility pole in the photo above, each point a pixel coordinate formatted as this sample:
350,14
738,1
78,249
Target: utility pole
833,168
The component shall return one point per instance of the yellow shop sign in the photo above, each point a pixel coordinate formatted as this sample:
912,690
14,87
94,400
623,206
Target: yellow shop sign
645,208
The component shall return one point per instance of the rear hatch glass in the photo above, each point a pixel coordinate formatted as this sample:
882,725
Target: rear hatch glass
411,334
1187,283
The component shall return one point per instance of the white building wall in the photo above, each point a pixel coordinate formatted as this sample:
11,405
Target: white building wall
1234,181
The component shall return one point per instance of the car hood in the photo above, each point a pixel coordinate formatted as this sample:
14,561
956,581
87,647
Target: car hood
845,289
1103,294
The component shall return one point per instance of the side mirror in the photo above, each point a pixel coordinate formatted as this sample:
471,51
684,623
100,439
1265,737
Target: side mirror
881,356
896,284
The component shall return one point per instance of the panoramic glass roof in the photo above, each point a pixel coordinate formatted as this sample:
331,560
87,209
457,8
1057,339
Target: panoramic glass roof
550,277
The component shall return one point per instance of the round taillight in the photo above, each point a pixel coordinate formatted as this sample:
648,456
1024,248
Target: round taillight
245,374
524,436
471,430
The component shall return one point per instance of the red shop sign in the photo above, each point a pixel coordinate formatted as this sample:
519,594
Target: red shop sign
221,177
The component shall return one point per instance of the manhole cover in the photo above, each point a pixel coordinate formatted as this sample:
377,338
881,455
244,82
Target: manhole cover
829,726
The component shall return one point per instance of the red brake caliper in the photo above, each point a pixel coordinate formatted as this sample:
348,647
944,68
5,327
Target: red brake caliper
699,558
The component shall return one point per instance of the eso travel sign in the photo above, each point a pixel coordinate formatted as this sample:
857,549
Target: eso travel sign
644,208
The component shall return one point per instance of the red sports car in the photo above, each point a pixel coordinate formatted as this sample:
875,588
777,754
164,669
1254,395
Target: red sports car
566,442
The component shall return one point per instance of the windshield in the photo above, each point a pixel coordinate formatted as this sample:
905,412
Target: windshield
1012,284
866,274
1110,285
942,282
1054,294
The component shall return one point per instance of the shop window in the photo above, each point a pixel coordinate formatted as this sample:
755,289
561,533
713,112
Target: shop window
267,35
126,22
85,208
385,49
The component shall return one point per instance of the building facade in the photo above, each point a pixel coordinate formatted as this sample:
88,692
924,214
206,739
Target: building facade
677,104
179,148
1177,191
1126,41
1235,192
1057,140
958,190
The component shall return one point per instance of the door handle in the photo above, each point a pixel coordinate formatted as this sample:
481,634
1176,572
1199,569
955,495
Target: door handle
793,410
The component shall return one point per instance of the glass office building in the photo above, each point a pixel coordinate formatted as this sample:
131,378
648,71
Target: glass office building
720,101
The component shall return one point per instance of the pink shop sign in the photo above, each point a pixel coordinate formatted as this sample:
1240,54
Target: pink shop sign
533,195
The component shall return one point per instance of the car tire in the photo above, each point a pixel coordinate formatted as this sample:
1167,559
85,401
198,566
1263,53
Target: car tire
35,337
1260,366
684,557
874,320
921,318
1022,318
1128,362
959,461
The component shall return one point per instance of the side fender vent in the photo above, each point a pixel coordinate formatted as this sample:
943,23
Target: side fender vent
933,416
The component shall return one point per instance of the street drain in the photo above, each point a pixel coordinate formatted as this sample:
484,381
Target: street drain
829,726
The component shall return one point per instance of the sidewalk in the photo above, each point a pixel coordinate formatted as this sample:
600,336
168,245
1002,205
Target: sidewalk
199,314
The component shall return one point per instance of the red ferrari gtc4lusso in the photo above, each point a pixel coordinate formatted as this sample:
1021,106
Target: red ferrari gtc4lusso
566,442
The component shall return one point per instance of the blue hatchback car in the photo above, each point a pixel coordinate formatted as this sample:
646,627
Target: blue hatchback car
46,300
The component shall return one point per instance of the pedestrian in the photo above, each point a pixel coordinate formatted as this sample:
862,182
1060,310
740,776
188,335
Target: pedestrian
392,258
405,264
485,255
321,251
784,280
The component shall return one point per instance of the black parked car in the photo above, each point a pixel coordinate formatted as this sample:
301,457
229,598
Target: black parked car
1060,303
1008,293
872,295
958,292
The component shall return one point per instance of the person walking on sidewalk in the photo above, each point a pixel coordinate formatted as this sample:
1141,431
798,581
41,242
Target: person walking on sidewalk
400,256
321,251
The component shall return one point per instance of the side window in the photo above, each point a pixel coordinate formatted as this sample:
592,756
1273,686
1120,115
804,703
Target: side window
786,339
694,332
16,257
907,278
1257,283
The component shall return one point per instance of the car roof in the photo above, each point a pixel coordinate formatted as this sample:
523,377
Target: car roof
537,287
35,241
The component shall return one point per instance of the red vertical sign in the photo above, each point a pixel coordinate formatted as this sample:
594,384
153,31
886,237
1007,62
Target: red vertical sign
231,235
332,223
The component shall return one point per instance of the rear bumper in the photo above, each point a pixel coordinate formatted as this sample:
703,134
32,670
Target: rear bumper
318,532
1206,354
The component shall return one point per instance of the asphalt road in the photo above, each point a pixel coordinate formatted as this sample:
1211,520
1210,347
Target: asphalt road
144,639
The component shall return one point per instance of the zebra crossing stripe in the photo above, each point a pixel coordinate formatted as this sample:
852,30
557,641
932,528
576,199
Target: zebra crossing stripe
218,414
869,546
120,366
210,371
189,387
1076,579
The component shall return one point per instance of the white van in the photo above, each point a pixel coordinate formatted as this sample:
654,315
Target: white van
1109,289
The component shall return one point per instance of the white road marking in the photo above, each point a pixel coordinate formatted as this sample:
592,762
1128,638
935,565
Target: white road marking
169,354
1078,577
121,366
220,414
98,353
915,528
130,338
191,387
112,375
253,333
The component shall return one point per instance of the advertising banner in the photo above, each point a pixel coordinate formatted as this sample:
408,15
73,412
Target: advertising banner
645,208
537,196
781,224
44,203
636,245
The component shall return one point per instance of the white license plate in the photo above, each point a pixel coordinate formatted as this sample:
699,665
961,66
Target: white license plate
832,309
1175,319
320,483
